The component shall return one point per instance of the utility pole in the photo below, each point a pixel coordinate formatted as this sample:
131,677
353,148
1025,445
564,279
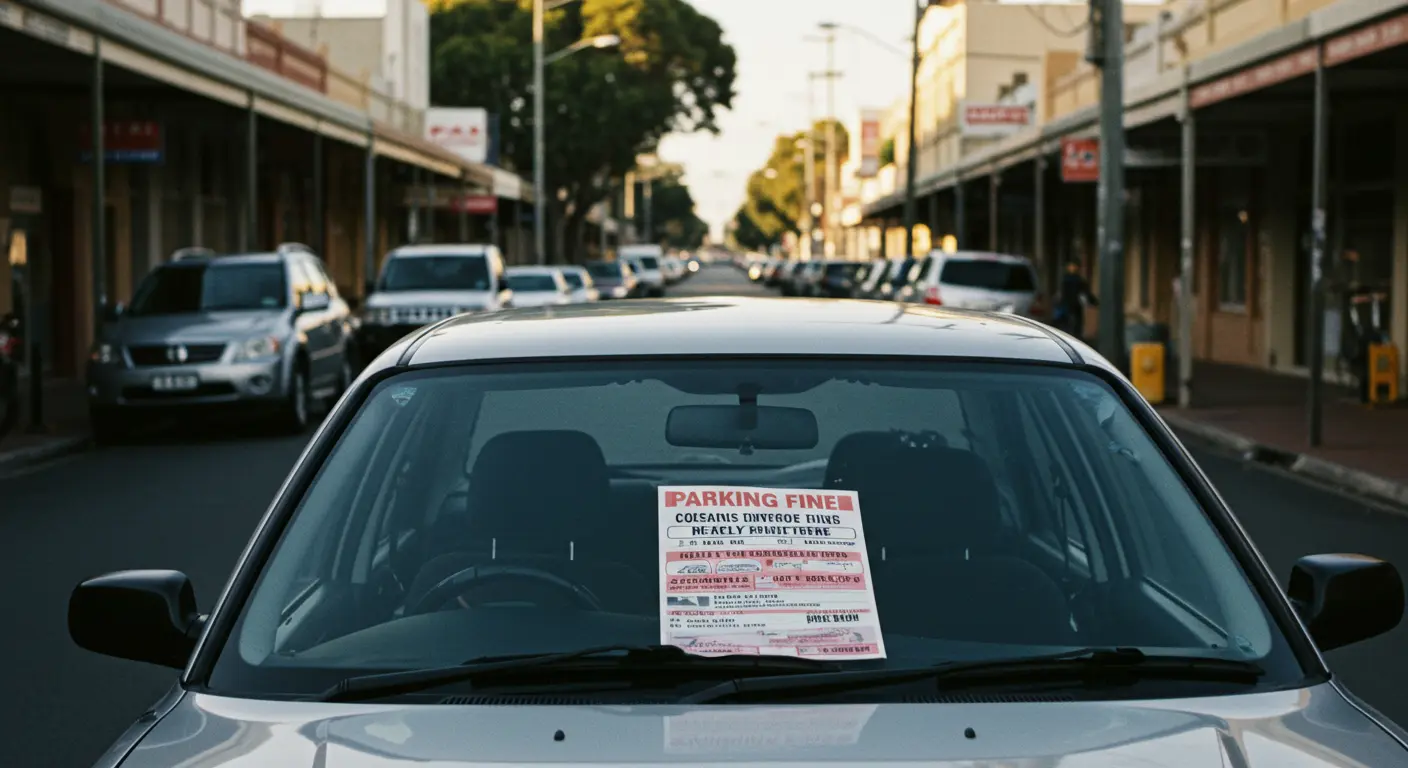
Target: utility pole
911,160
809,168
832,181
540,192
1106,51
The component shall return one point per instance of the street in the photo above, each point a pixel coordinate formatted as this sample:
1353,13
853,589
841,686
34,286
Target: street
190,501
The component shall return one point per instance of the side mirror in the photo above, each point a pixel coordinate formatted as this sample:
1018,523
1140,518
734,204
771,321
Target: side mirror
138,615
1345,598
314,302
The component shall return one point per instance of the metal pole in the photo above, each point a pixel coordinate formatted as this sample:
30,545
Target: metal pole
994,182
540,191
1111,188
369,218
647,186
605,217
912,160
413,215
960,215
320,224
831,179
463,206
1315,299
251,178
1186,267
1039,223
809,171
99,228
429,229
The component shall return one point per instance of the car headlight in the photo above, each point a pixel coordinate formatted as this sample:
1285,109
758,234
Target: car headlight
620,291
377,316
105,354
259,348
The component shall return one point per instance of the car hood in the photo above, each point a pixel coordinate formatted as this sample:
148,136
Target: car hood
193,327
436,299
1308,728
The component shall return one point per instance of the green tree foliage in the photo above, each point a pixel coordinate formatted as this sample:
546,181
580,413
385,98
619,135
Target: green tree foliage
673,217
887,153
776,193
672,72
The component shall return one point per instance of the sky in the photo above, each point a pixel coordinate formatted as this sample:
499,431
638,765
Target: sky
774,59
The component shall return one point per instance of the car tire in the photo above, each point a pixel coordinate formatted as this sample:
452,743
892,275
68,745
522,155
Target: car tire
109,428
298,408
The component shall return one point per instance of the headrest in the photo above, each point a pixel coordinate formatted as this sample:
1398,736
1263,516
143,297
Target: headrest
920,498
537,483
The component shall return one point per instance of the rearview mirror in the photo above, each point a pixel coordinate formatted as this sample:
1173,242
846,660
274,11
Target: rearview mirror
1345,598
740,426
138,615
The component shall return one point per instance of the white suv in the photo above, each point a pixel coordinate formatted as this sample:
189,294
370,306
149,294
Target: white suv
992,282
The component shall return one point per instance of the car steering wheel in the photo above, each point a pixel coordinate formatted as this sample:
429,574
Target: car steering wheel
479,575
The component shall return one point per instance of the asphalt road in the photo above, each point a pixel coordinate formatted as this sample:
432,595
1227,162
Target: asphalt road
189,501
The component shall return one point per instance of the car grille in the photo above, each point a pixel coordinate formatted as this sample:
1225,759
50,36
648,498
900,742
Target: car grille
205,389
163,354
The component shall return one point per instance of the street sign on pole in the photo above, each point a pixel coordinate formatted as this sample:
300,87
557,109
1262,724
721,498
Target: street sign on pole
1110,229
1080,160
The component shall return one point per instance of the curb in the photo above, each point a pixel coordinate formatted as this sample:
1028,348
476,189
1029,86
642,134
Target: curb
1358,481
53,449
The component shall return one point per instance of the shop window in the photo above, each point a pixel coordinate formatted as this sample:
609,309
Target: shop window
1233,235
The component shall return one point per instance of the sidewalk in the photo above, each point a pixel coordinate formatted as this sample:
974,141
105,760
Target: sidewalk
1263,416
65,421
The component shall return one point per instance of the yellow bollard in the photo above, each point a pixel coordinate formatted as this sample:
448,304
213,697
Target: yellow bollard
1383,374
1146,367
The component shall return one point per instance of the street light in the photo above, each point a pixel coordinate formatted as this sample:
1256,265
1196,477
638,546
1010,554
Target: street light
539,61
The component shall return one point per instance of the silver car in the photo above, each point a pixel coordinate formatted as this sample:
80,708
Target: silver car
571,536
267,330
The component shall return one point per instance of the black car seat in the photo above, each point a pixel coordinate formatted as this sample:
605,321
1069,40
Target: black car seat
943,563
541,499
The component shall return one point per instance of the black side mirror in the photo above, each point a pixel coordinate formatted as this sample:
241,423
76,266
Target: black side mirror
1345,598
138,615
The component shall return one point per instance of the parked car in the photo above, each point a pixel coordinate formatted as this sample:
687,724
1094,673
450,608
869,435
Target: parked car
645,260
976,280
580,284
673,269
266,331
875,275
837,279
614,279
802,279
895,280
422,284
534,538
538,287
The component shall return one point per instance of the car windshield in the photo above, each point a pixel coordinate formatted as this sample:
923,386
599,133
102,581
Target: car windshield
435,273
649,262
214,287
605,270
574,279
529,283
1007,510
989,274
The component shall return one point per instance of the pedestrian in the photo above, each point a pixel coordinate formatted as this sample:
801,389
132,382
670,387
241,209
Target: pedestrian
1070,308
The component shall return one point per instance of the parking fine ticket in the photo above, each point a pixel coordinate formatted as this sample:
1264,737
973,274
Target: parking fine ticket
779,571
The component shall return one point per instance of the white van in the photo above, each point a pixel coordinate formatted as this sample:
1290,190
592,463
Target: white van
645,260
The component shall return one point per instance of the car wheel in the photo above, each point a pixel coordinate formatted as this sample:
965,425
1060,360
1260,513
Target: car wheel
109,428
299,407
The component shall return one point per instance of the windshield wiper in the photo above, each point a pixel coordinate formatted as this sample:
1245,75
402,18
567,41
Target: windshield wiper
1091,665
650,658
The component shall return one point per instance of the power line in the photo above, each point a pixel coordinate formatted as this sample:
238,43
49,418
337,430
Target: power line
1041,17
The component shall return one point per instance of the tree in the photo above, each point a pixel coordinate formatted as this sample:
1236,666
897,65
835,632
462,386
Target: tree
673,216
672,72
776,193
747,234
887,152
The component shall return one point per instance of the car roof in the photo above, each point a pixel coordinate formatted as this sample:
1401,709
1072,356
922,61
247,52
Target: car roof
447,249
983,256
737,326
226,258
527,269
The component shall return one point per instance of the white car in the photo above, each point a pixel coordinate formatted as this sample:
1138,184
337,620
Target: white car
579,283
537,287
993,282
645,261
421,284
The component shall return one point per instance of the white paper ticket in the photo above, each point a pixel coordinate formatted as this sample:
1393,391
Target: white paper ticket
779,571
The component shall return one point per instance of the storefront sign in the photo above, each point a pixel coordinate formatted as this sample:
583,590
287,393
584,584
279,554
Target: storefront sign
1080,160
1277,70
869,143
483,204
125,141
462,131
1370,39
26,200
993,119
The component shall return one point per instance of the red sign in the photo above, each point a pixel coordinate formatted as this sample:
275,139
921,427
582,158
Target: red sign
1370,39
477,204
1080,160
994,119
125,141
1278,70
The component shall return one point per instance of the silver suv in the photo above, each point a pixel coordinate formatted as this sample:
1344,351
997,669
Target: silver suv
261,329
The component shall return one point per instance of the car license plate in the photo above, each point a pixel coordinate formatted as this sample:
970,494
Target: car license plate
175,383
